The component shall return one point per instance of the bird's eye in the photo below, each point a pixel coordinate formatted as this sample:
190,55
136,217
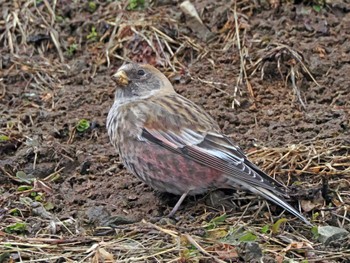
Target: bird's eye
141,72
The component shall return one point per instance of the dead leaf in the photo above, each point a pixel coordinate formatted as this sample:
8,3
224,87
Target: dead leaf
297,245
101,255
108,257
321,52
337,203
279,258
315,169
46,96
307,205
226,251
274,3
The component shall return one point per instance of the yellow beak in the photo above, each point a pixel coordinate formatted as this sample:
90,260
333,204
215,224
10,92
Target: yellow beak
121,78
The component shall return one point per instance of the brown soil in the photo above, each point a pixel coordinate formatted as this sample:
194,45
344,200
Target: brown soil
42,99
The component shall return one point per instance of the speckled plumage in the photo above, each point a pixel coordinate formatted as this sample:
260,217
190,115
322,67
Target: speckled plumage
175,146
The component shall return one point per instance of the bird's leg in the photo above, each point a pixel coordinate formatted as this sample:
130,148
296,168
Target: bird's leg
176,207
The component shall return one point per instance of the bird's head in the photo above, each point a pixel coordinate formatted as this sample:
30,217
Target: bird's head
140,81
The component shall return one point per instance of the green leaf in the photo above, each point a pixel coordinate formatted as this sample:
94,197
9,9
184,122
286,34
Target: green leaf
317,8
55,178
216,221
265,229
237,236
38,198
18,227
83,125
4,138
72,49
191,252
49,206
22,188
247,237
92,6
14,212
296,183
314,231
93,34
276,226
219,219
315,216
136,4
23,177
59,19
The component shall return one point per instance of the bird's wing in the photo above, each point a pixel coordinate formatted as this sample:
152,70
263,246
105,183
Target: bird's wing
216,151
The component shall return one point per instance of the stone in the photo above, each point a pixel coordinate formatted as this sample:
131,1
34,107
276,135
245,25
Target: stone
328,234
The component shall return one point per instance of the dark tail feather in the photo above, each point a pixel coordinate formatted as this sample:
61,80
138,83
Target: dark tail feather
282,203
267,194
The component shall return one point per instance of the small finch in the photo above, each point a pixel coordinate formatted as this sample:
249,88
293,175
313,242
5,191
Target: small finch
175,146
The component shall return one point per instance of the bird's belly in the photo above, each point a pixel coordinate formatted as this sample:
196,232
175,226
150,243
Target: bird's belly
168,171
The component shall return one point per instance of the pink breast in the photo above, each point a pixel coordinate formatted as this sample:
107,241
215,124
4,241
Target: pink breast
168,171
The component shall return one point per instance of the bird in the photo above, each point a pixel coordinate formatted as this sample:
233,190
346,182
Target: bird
175,146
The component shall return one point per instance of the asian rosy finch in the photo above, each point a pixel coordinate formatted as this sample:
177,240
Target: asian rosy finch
175,146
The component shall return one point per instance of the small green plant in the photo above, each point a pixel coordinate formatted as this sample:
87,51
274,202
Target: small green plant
238,235
92,6
315,216
83,125
59,19
4,138
277,226
72,49
15,212
24,178
93,34
296,183
136,5
265,229
49,206
22,188
247,237
314,231
317,8
38,197
216,221
190,252
318,5
19,227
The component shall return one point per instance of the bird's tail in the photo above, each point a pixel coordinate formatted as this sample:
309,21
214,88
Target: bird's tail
267,194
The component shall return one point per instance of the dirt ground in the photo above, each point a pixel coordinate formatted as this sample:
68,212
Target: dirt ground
75,197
